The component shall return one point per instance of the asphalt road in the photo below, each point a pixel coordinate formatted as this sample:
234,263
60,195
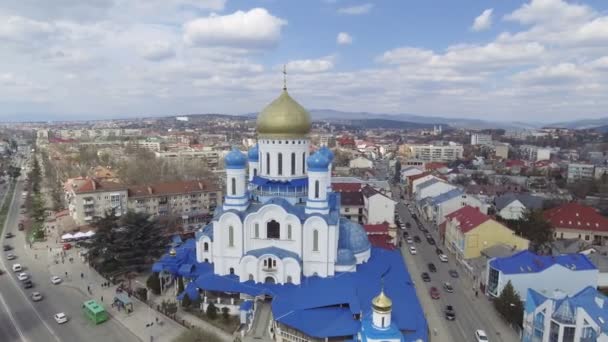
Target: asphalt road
472,312
33,321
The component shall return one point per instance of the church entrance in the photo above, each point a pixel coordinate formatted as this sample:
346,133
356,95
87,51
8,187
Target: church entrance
269,280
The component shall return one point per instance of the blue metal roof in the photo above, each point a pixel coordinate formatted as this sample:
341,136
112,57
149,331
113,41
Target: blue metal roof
297,182
235,159
345,257
352,236
276,251
528,262
428,183
369,332
254,153
246,305
446,196
206,231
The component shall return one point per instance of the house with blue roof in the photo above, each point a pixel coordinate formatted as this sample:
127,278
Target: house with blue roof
279,235
568,273
555,316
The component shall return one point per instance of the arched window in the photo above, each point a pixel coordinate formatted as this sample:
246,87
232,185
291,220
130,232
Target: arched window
231,236
382,322
206,260
273,230
265,262
233,185
274,263
231,270
206,247
315,240
257,230
303,162
251,277
267,163
288,232
316,189
293,163
280,166
289,281
255,172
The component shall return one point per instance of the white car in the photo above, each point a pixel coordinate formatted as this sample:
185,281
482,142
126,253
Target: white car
11,256
17,268
55,280
443,258
36,296
481,336
23,276
409,240
61,318
412,250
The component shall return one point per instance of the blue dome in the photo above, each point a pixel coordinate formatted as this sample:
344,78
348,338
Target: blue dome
254,154
235,159
353,237
317,162
346,257
327,152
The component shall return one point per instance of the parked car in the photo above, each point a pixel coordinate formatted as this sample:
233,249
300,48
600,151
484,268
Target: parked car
28,284
406,234
438,251
481,336
425,277
408,225
434,293
450,314
23,276
448,287
11,256
67,246
20,226
17,268
417,239
55,280
431,241
9,235
432,267
7,247
413,250
453,273
60,318
36,296
409,240
443,258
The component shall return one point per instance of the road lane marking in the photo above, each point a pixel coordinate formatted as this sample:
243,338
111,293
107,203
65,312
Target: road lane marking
13,320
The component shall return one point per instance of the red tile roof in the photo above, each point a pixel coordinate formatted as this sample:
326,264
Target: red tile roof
93,185
169,188
576,216
351,198
468,217
374,229
412,178
346,187
515,162
434,165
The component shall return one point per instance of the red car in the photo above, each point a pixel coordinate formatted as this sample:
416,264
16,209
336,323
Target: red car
66,246
434,293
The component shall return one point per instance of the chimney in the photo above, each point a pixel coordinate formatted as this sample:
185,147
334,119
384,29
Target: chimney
200,185
149,190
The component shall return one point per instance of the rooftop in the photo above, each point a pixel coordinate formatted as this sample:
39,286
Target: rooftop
528,262
468,217
169,188
576,216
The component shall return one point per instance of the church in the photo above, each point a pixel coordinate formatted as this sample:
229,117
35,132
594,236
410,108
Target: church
279,235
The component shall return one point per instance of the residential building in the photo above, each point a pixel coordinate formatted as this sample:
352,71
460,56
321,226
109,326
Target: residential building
580,172
188,200
88,198
352,206
152,145
467,231
570,273
438,207
416,180
534,153
553,316
501,150
573,220
379,208
360,163
410,171
512,206
481,139
431,188
210,158
443,152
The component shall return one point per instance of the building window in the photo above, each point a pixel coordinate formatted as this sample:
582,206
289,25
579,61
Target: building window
586,237
288,232
293,163
265,262
231,270
257,230
304,162
233,185
206,247
316,189
267,163
273,230
255,172
231,236
251,277
382,322
315,240
274,263
288,281
280,168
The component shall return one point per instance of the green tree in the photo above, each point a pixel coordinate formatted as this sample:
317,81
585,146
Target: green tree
180,284
14,172
186,302
509,305
398,171
197,335
225,313
534,227
211,311
153,283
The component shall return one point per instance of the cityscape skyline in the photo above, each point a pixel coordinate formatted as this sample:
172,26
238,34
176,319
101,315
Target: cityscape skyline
538,60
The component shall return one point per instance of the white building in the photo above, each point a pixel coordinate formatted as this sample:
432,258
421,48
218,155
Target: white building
570,273
436,152
438,207
512,206
360,163
481,139
580,172
431,188
88,198
378,207
151,145
535,153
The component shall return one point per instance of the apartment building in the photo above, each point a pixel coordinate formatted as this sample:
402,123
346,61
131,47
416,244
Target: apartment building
96,133
443,152
534,153
152,145
481,139
186,199
88,198
580,172
209,157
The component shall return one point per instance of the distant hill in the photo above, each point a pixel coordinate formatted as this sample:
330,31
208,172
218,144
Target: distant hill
581,124
385,123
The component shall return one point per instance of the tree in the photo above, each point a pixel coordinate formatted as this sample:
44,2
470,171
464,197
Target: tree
14,172
535,228
509,305
211,311
398,171
225,313
186,302
180,284
153,283
462,180
197,335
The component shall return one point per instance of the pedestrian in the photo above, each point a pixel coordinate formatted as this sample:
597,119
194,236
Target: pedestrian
476,293
88,289
102,298
81,275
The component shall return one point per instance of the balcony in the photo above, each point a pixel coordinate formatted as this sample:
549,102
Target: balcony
89,202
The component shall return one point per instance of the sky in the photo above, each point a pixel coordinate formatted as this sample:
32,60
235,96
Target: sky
534,60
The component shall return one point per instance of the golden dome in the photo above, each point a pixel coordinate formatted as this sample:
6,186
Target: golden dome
283,117
382,303
172,252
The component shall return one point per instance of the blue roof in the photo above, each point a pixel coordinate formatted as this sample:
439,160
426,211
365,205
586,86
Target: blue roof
528,262
327,152
177,240
352,236
317,162
446,196
206,231
254,153
345,257
185,270
246,305
298,182
235,159
370,332
428,183
278,252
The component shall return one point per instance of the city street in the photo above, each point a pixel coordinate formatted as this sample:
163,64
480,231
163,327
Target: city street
26,320
472,312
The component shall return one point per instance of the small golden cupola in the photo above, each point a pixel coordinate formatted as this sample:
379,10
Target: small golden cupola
382,303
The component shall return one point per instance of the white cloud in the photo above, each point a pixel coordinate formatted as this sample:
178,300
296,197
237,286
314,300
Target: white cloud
356,10
344,38
158,51
555,75
311,65
550,12
483,21
256,28
20,29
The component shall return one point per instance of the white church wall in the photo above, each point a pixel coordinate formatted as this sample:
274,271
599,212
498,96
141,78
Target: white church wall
286,147
293,270
248,266
315,261
225,255
201,254
266,214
